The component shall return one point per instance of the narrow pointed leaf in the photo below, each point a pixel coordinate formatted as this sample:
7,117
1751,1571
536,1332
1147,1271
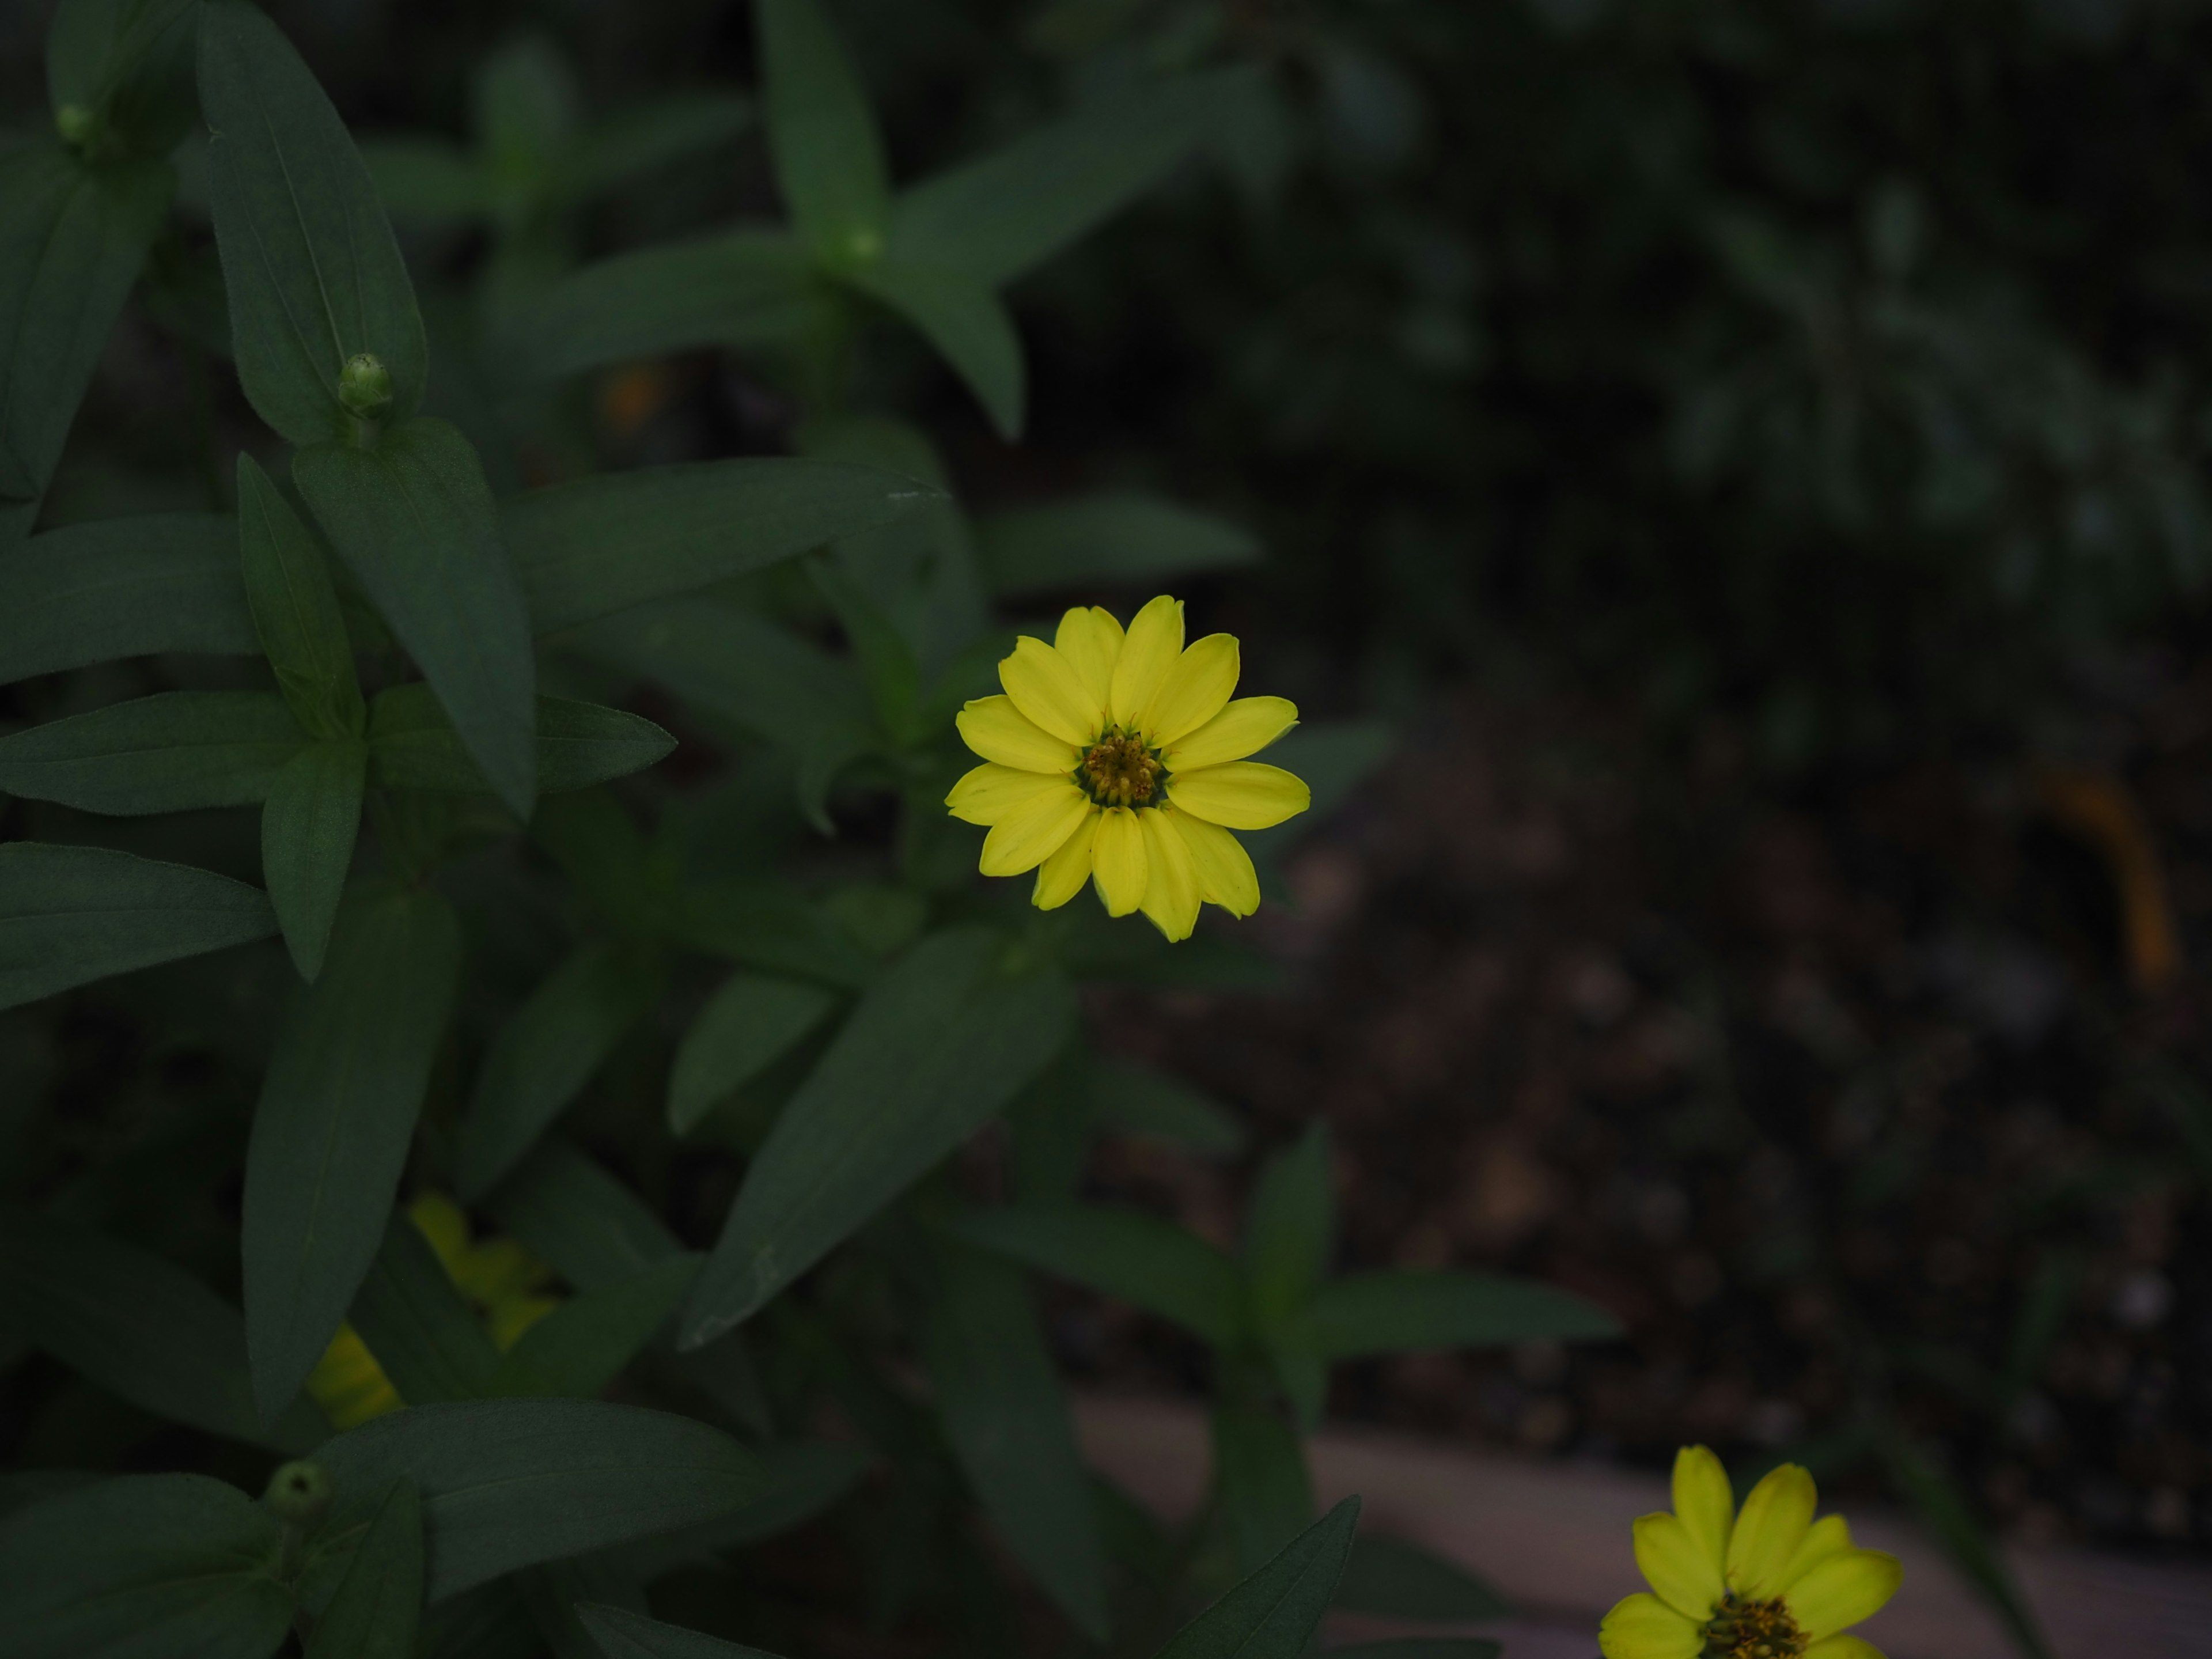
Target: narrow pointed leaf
583,1345
1123,536
804,1479
72,240
412,745
765,924
1005,213
509,1482
427,182
1396,1312
748,1025
137,1325
1136,1100
1157,1265
309,822
379,1605
1272,1615
122,587
414,522
172,752
96,48
821,134
313,274
70,915
590,549
149,1566
338,1110
936,1048
567,1210
544,1056
1261,1482
1421,1647
415,1320
968,325
1003,1411
652,136
622,1634
1292,1228
295,609
743,288
1392,1578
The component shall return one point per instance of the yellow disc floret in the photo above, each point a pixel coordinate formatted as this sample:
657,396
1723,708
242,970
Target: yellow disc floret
1119,758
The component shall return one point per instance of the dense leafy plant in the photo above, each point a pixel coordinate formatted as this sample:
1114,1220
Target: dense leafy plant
767,948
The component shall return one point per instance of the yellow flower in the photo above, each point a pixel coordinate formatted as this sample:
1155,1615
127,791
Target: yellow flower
1120,759
503,1282
1769,1582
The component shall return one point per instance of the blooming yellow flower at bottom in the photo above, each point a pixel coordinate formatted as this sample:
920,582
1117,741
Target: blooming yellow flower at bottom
1766,1583
1120,759
498,1276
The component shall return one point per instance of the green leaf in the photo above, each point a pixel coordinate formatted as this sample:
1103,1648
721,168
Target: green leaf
432,182
1159,1267
1135,1100
551,1592
587,1341
1393,1578
769,925
821,134
804,1478
746,1026
652,136
590,549
744,668
72,240
412,745
966,322
337,1114
295,609
70,915
137,1325
122,587
743,288
149,1566
509,1482
544,1056
97,51
1123,536
1003,215
378,1604
1000,1400
566,1210
936,1048
314,276
1391,1312
1291,1227
411,1315
414,522
1273,1613
886,660
1264,1490
171,752
309,822
621,1634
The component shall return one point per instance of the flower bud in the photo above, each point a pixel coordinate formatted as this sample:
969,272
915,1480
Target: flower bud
299,1493
364,386
78,125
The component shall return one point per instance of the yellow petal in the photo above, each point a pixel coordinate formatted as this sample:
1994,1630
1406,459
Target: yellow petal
1225,875
1195,689
1118,861
439,1219
1154,641
349,1384
1045,687
1831,1536
1843,1647
1675,1564
1704,1502
1244,728
997,731
1024,841
1240,795
1843,1589
1090,640
511,1315
992,792
1771,1525
1171,887
1060,876
1645,1627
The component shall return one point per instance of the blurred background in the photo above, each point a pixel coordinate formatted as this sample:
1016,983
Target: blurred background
1751,456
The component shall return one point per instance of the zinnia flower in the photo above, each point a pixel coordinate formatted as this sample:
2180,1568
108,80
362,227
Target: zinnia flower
1769,1582
1119,759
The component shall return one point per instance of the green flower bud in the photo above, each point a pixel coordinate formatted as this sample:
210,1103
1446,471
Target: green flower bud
78,125
364,386
864,246
299,1493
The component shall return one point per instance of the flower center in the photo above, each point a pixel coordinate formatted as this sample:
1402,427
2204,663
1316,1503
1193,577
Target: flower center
1744,1629
1119,770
